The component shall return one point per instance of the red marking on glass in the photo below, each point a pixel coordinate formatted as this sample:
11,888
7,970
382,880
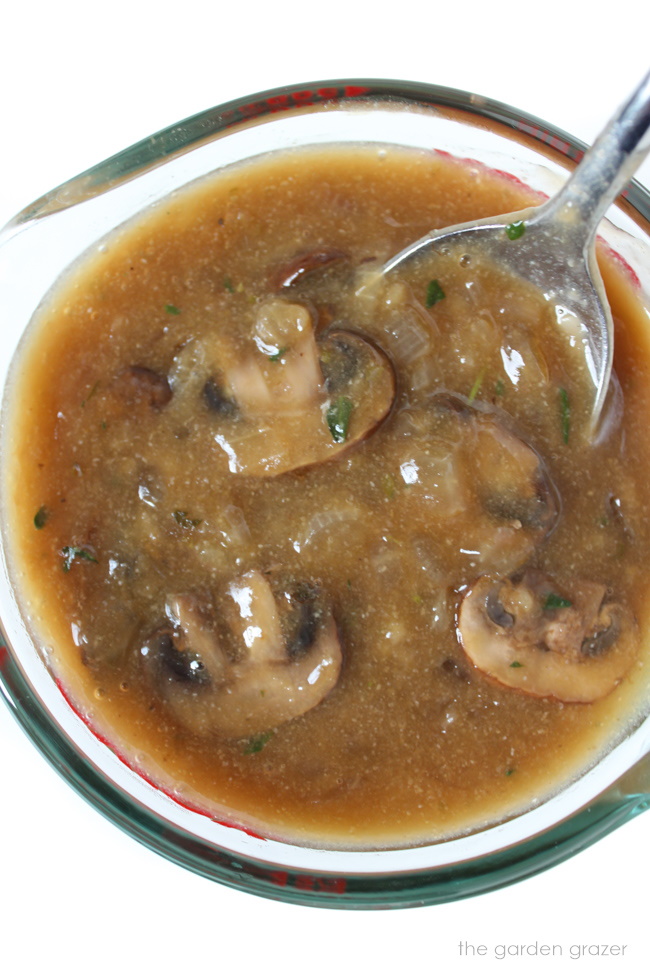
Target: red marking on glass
516,180
326,885
529,129
278,877
305,882
4,655
279,103
294,99
541,135
477,164
252,110
560,145
332,885
617,258
303,97
143,775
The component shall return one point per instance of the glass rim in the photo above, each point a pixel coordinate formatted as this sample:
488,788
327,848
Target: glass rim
208,124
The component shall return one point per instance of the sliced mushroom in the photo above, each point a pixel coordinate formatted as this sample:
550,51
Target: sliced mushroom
296,401
139,384
466,466
303,264
134,392
527,633
216,400
287,657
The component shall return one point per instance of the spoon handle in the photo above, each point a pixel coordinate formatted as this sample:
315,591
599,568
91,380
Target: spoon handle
609,164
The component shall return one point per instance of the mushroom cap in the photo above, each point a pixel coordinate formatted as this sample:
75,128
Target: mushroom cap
467,466
526,634
355,391
288,658
292,400
304,264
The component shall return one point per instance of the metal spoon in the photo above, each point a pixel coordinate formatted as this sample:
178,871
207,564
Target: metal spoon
553,245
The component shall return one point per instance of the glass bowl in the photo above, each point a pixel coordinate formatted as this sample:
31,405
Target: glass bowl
47,237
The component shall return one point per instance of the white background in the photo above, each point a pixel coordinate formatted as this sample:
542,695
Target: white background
80,81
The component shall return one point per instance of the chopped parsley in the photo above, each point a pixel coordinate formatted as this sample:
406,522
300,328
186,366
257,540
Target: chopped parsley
388,486
257,743
91,393
565,414
510,771
338,418
227,283
72,552
41,517
554,601
516,230
515,663
499,388
184,520
278,355
172,310
434,293
478,382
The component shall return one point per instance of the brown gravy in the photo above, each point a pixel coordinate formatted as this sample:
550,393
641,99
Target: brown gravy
139,476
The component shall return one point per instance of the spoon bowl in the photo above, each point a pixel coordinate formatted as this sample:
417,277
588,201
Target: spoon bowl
552,246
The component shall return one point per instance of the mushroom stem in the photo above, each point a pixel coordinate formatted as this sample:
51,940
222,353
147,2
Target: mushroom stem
270,408
275,676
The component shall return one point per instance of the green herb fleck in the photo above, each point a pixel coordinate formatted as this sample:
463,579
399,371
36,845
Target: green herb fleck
434,293
41,517
91,393
604,521
71,553
184,519
338,418
565,414
278,355
554,601
478,382
257,743
228,285
510,771
515,663
516,230
172,310
499,388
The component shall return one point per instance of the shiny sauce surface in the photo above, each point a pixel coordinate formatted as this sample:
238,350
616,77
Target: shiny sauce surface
223,411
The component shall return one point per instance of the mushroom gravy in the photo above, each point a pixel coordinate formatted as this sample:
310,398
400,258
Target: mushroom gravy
299,540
